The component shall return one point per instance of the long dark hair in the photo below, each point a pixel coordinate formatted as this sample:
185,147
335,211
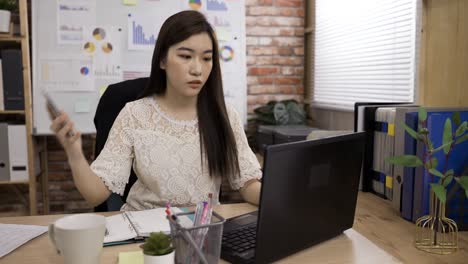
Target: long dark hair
216,137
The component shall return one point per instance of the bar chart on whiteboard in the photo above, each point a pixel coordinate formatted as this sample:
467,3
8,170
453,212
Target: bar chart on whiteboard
142,31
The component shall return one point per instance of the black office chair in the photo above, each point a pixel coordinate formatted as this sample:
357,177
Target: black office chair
110,104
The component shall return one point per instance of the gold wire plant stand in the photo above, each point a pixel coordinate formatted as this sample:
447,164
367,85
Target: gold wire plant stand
436,233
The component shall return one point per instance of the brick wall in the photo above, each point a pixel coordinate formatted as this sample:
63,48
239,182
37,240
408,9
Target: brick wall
275,65
275,49
63,195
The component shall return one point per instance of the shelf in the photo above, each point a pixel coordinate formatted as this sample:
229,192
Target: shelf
12,112
14,182
10,38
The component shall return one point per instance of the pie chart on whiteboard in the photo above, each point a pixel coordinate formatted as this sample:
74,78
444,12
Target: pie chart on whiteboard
195,4
89,47
107,47
84,71
99,33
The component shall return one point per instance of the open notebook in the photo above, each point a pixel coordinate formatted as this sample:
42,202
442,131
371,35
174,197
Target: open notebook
134,226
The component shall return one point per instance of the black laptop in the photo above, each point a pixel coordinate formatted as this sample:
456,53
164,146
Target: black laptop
309,193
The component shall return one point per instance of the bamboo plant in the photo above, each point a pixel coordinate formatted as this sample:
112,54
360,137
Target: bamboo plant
452,136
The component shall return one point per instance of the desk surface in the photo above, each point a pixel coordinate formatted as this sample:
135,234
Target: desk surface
379,235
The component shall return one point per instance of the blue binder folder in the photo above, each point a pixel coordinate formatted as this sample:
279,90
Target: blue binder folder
411,120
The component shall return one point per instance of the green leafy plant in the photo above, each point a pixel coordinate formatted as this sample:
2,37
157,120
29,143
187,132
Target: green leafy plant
10,5
450,138
285,112
157,244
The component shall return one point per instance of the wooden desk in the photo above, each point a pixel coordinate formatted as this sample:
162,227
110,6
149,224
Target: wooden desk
379,235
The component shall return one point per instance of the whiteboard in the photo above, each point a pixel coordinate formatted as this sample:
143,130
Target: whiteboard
79,47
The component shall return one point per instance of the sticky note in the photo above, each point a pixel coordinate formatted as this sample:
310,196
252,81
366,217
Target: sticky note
391,129
82,106
389,182
132,257
223,34
129,2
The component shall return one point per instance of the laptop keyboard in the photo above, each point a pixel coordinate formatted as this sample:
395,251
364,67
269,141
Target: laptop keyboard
240,240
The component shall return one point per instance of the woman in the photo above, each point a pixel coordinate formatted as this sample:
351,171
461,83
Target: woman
180,137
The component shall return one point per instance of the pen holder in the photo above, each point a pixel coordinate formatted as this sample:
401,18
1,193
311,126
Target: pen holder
197,244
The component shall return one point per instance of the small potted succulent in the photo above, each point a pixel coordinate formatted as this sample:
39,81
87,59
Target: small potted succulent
6,7
158,249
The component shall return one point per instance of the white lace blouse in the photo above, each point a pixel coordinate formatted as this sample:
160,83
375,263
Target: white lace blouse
165,155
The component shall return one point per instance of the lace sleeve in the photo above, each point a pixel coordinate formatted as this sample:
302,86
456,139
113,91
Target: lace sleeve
115,160
248,163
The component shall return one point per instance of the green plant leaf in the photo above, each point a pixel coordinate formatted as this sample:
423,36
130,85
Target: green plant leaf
411,132
448,180
461,139
439,191
456,118
422,114
405,160
449,173
436,173
442,146
157,244
463,181
461,129
434,162
447,137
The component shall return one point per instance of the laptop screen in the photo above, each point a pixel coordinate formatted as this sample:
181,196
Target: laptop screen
309,193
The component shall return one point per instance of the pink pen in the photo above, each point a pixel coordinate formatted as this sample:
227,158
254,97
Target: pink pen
205,212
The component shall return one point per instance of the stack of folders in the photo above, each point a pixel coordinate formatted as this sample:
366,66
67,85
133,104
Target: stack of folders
409,188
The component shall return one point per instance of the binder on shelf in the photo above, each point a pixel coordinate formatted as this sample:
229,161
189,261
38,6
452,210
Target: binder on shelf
4,153
18,152
12,69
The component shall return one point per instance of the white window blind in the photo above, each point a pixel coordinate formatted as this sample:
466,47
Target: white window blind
365,50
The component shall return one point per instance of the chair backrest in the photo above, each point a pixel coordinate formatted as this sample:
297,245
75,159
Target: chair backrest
109,107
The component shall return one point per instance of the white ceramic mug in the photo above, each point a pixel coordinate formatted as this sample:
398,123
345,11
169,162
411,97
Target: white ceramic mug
79,238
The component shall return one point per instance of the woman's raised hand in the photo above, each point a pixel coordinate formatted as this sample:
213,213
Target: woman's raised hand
67,135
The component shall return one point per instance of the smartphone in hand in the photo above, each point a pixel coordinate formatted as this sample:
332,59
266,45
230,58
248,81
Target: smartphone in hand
53,109
51,106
